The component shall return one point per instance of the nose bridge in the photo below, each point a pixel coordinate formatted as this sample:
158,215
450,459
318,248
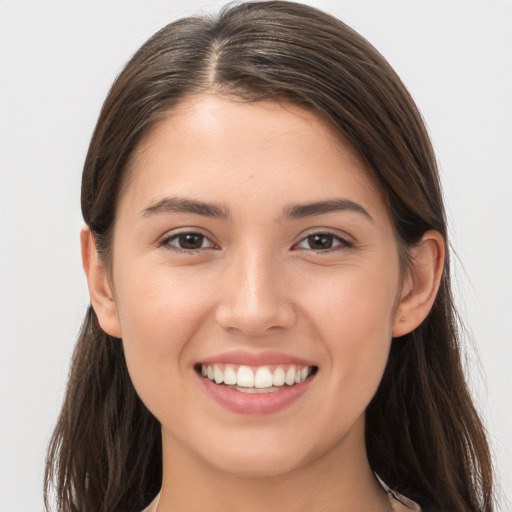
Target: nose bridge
254,297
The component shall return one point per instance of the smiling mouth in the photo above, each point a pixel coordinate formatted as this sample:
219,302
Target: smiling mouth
256,379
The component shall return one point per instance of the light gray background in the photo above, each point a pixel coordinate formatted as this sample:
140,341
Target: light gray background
57,61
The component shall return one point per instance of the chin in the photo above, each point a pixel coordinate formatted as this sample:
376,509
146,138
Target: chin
260,454
258,465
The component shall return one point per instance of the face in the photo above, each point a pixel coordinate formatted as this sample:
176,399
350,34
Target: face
255,275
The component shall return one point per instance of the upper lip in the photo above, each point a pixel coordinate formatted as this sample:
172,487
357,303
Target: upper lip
242,357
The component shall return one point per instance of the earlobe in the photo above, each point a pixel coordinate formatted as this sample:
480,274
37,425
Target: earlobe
100,290
422,283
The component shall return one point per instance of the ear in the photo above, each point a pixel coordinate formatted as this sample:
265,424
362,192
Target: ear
100,290
422,283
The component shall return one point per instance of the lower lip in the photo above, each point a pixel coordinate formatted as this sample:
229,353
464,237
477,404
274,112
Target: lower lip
254,403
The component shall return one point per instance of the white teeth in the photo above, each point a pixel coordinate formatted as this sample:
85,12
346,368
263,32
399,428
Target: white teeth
278,377
263,378
218,375
290,376
254,379
229,376
245,377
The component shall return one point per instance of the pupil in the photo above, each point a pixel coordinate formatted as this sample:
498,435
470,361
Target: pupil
191,241
320,241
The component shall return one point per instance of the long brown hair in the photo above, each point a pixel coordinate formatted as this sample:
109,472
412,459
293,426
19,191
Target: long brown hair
424,437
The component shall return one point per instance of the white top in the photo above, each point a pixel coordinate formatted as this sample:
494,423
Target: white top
398,502
152,506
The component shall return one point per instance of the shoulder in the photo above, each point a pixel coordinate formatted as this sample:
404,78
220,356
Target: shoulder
398,502
153,505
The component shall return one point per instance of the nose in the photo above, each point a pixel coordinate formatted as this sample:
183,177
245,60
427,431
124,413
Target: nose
254,299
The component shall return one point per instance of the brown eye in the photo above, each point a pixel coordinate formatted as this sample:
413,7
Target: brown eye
190,241
187,241
323,242
320,241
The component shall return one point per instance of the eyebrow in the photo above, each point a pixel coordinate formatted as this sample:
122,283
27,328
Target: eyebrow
183,205
293,211
299,211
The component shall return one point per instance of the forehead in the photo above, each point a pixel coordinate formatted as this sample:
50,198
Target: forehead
222,149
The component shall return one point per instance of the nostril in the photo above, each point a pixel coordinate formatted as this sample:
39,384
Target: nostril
255,321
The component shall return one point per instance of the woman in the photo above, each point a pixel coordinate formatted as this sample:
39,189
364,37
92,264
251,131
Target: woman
271,321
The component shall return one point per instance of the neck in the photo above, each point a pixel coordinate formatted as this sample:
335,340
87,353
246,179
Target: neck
336,481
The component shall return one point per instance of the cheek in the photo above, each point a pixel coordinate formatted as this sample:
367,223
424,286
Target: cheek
356,303
355,319
159,317
159,308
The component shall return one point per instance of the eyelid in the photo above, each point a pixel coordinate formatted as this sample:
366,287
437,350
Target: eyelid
164,240
345,240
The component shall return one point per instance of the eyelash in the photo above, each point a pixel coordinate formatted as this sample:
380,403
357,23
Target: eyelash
342,243
166,242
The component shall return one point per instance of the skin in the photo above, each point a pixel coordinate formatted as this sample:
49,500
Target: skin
256,284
